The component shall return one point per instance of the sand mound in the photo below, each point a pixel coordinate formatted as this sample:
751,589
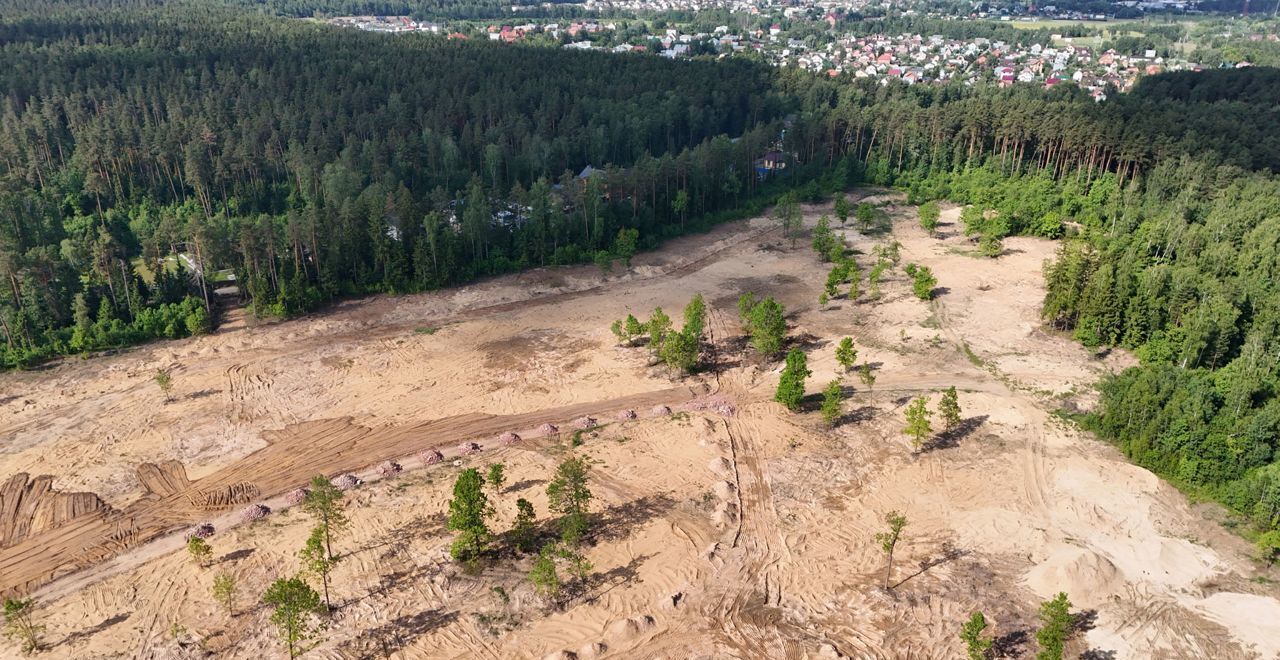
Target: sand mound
725,489
726,514
630,628
627,415
508,439
661,410
561,655
1086,575
720,466
296,496
592,651
548,429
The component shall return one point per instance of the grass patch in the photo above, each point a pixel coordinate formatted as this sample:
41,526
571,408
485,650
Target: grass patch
426,330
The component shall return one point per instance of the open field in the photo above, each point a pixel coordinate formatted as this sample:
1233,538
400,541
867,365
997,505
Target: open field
721,531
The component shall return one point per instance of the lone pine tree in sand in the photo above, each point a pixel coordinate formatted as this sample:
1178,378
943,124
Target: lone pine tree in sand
20,625
889,540
323,502
867,376
949,408
846,354
165,382
295,603
976,646
543,573
791,384
468,511
569,496
918,427
225,588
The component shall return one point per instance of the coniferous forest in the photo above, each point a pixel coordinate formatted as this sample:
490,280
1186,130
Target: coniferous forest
148,150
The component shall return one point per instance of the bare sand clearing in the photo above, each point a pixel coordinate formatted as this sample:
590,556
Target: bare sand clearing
733,530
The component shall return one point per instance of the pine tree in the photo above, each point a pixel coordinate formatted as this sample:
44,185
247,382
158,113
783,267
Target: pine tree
468,511
659,325
889,540
846,354
831,402
842,208
317,562
323,502
496,477
975,644
543,574
929,213
867,376
918,427
949,408
294,602
569,496
1055,627
165,382
200,551
522,530
767,325
225,588
20,625
791,384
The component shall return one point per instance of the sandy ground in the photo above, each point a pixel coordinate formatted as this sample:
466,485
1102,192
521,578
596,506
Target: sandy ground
746,535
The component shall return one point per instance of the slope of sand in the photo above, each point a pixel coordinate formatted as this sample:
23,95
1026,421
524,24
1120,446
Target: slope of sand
721,531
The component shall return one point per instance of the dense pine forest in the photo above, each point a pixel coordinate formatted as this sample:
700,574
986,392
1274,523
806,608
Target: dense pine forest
146,146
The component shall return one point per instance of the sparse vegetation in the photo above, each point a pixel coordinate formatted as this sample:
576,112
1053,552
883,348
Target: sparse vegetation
20,625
